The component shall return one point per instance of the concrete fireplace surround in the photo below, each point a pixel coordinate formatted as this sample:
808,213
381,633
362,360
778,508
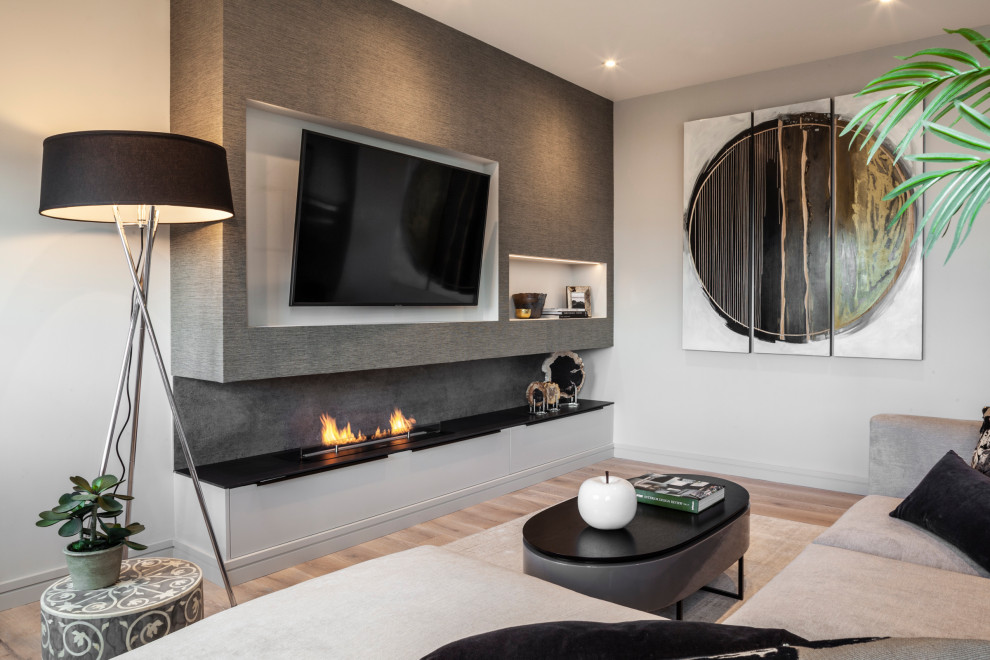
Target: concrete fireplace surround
237,420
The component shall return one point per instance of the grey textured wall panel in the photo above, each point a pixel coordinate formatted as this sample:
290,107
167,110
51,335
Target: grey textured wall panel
233,420
196,107
378,65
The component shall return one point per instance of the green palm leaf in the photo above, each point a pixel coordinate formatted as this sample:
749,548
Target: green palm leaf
933,79
947,53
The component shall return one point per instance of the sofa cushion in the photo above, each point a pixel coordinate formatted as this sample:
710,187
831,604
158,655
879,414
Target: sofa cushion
953,502
398,606
578,640
831,592
868,527
670,640
903,447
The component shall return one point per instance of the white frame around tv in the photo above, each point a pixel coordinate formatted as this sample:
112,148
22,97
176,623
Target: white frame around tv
272,162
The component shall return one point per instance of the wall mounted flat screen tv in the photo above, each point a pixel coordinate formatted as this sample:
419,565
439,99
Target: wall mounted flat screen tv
379,227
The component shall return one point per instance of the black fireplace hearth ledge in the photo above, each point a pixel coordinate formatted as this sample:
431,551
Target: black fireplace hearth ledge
279,466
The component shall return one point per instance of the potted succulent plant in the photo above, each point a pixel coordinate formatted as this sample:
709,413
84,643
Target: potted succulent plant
94,558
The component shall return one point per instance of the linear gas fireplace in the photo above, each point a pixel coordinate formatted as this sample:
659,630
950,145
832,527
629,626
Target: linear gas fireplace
336,440
266,429
279,466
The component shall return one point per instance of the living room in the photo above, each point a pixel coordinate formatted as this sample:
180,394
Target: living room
789,419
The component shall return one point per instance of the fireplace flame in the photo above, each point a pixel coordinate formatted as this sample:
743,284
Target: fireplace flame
333,436
400,423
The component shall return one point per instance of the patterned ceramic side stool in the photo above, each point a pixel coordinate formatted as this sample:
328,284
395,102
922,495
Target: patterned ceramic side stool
154,596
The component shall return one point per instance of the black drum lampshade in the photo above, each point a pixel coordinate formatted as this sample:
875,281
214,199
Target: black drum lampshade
84,174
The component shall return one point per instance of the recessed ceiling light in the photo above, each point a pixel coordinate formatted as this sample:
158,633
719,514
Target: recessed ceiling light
609,64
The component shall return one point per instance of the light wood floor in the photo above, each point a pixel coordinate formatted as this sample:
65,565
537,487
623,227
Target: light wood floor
20,629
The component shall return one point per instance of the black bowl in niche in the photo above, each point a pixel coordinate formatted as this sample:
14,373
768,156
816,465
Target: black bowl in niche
529,302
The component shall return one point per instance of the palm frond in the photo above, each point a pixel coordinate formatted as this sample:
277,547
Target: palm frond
952,87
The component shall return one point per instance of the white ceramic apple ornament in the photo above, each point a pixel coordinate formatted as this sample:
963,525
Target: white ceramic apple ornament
607,502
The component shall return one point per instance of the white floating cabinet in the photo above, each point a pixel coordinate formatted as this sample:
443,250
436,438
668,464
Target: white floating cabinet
265,528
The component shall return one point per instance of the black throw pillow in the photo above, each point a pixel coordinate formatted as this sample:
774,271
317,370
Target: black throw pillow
588,640
953,502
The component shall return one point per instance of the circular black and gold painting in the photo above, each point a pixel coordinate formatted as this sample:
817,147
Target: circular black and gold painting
760,221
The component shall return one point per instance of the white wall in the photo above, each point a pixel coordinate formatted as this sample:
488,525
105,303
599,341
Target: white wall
793,419
64,293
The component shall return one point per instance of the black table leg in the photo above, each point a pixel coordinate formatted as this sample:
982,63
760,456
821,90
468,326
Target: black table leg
739,585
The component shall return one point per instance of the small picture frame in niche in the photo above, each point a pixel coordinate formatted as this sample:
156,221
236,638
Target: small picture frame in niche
579,297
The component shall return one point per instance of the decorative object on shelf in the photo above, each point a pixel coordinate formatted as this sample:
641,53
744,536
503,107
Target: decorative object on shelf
155,596
94,558
607,502
578,297
981,456
536,396
138,180
553,396
831,276
567,370
529,305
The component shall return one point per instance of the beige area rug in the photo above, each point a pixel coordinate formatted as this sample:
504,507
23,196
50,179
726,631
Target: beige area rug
773,543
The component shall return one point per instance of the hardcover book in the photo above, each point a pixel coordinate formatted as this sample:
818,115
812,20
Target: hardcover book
675,492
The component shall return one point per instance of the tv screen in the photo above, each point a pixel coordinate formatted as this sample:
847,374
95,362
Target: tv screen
379,227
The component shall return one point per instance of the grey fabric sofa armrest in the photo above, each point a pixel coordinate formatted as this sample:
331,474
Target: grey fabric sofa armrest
903,448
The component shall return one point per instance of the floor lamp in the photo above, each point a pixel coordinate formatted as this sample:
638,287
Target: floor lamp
141,180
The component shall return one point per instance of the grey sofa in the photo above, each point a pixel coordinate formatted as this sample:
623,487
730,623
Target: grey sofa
868,575
873,575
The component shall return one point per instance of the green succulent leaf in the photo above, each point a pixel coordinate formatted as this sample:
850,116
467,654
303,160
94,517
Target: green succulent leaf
65,508
121,496
87,505
81,483
135,546
108,503
72,527
104,482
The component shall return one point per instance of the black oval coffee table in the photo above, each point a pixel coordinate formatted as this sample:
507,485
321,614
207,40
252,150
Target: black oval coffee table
658,559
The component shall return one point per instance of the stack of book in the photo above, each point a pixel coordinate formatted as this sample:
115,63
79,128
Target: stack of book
564,313
675,492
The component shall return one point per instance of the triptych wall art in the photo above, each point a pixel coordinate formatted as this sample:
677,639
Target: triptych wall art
786,242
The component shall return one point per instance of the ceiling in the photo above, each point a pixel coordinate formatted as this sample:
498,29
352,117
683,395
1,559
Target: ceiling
667,44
